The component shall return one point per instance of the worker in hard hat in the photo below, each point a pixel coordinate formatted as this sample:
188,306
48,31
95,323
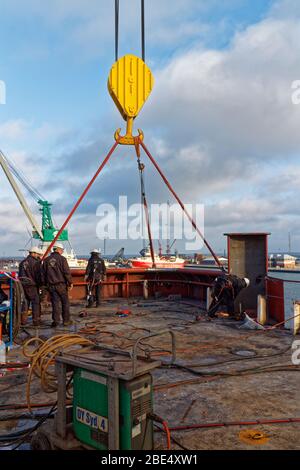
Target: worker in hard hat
58,279
40,254
94,276
43,289
31,279
225,290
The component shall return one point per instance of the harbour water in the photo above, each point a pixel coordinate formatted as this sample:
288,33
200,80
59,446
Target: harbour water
287,276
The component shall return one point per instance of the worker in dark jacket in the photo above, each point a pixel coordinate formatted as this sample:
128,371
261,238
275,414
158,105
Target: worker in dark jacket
58,279
95,275
30,277
225,290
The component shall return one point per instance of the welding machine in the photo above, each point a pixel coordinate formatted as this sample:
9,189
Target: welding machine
90,411
112,399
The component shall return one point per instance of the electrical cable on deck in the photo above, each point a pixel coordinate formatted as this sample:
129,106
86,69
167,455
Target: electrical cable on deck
43,357
18,299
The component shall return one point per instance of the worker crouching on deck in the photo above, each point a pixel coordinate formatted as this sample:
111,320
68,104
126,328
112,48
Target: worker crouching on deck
31,280
58,279
95,274
225,290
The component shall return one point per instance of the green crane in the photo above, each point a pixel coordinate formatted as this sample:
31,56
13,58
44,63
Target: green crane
49,231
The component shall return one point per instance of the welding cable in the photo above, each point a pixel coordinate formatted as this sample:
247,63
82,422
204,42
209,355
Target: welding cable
165,386
159,429
42,420
11,386
49,356
18,297
120,337
22,436
168,434
25,351
238,359
14,436
23,416
36,427
233,423
184,350
216,376
238,373
154,417
14,365
43,358
281,323
89,330
23,406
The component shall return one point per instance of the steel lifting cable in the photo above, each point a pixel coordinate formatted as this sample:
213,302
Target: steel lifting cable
22,178
167,183
117,22
84,193
117,17
145,205
141,167
143,28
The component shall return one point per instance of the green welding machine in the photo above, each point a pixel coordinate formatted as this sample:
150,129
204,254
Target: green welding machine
91,410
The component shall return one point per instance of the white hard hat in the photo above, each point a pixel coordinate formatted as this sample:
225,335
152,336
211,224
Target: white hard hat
58,245
41,252
34,249
247,281
95,250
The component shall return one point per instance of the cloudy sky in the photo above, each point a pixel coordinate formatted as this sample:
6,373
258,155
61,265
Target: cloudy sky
220,120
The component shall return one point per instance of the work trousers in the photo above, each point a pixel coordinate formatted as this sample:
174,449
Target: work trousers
32,297
59,296
94,293
226,301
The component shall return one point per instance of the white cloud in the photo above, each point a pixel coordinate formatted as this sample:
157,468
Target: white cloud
234,105
285,9
220,122
13,129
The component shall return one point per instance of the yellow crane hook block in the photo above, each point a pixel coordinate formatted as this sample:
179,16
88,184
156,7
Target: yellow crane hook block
130,84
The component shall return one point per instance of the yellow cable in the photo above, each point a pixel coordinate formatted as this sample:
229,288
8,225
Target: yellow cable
43,357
